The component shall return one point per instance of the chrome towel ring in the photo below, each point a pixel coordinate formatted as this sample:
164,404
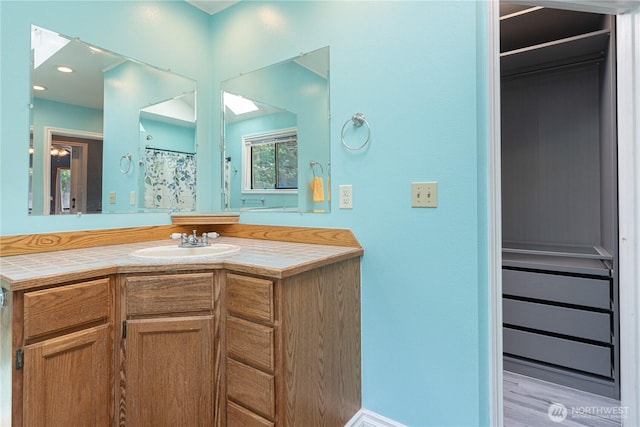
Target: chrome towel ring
127,164
313,165
357,120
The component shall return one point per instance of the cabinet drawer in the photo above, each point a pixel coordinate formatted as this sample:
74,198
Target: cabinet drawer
57,309
250,342
237,416
557,288
561,320
169,293
250,297
585,357
251,387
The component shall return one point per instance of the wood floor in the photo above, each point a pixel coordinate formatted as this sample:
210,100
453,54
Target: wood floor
527,403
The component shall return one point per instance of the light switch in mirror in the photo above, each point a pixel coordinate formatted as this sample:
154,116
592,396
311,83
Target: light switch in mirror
275,126
106,127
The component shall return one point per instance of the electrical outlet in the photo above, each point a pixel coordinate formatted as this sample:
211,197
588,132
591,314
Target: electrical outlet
424,194
346,196
132,198
112,197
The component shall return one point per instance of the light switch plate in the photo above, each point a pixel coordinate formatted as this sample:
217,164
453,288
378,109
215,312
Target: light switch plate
132,198
424,194
112,197
346,196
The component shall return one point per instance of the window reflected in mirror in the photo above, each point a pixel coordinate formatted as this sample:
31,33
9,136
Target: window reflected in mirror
270,161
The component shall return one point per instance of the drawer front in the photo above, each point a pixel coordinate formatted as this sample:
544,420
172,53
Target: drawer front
250,297
237,416
557,288
571,354
57,309
250,342
561,320
169,293
251,387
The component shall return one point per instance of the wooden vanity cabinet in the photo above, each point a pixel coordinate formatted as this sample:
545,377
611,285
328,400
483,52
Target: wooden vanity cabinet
67,355
168,343
293,348
206,346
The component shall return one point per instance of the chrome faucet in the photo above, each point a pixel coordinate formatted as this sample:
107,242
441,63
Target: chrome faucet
191,240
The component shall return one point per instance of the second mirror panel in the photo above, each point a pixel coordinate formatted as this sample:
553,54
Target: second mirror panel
276,137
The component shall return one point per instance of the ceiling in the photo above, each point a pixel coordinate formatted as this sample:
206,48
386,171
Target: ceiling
212,6
89,67
82,87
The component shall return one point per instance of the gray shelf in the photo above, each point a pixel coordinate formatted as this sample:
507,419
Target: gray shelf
576,49
555,249
556,263
541,25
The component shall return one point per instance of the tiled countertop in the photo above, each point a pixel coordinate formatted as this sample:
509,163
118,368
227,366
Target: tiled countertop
270,258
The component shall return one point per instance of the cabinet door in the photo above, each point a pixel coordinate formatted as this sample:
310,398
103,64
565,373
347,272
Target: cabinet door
67,380
169,372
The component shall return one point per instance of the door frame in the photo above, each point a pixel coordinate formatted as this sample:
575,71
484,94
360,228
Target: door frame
79,178
49,133
628,107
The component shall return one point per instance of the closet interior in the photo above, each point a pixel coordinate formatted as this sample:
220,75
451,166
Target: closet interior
559,197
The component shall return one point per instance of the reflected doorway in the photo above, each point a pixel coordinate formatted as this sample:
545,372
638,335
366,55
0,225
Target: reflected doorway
60,189
75,178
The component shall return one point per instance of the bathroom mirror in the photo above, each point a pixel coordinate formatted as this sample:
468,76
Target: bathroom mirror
167,133
276,138
95,117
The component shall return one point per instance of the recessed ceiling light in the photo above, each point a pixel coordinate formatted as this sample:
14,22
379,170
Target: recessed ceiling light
39,87
64,69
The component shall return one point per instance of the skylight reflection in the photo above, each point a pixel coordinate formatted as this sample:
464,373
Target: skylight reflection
238,104
45,44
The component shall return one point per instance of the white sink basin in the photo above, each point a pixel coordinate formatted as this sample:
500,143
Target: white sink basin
185,254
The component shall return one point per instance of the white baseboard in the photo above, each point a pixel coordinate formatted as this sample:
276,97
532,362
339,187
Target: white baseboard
365,418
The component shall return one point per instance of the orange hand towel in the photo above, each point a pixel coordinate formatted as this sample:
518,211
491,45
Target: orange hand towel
317,186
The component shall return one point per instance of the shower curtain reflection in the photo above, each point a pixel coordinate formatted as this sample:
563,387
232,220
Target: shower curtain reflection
169,180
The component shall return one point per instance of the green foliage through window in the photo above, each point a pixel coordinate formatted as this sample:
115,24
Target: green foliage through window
274,161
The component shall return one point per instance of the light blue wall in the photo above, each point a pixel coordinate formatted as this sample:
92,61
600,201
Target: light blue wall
167,34
415,69
167,135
